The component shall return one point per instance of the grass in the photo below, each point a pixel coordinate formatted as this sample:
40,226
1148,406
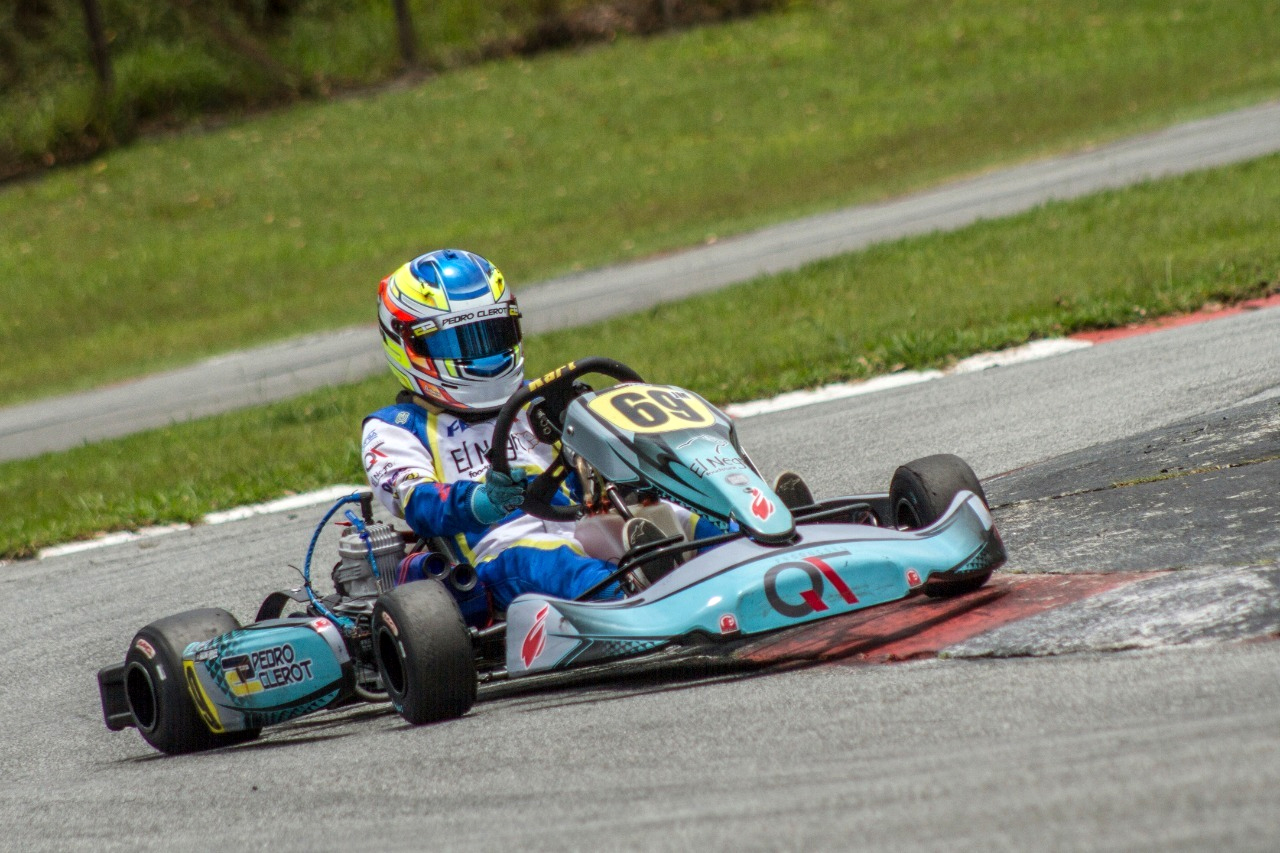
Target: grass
1106,260
185,246
170,69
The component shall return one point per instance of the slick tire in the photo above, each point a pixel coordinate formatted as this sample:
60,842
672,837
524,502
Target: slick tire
156,685
424,652
920,492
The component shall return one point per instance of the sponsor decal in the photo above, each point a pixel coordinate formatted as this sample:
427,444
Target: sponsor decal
819,573
265,669
402,418
552,376
536,639
728,624
709,465
396,480
719,443
370,437
238,672
761,507
207,653
373,454
472,316
913,578
457,427
321,623
391,624
146,648
471,458
736,480
424,327
200,699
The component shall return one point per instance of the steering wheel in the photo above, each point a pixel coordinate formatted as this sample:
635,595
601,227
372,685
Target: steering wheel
552,394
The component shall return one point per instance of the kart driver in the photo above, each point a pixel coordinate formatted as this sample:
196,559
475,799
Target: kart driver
451,331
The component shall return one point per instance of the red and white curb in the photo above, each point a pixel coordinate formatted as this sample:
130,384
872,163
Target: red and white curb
923,627
1017,615
1032,351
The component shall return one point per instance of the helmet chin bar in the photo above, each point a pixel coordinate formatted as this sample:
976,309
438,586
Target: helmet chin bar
426,393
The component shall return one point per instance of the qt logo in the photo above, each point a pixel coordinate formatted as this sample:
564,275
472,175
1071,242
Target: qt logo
818,573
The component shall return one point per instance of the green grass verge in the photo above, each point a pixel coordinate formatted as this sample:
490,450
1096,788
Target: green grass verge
170,68
189,245
1102,261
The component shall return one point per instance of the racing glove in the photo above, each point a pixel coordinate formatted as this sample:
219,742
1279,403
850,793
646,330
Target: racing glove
499,494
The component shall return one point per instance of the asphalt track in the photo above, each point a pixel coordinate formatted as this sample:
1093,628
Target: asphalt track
291,367
1140,712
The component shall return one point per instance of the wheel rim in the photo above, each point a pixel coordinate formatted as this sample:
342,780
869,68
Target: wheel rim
905,516
141,694
389,663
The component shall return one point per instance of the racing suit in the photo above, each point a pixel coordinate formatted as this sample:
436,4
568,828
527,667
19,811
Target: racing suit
423,464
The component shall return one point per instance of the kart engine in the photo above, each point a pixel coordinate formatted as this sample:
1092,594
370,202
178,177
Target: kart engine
357,588
353,576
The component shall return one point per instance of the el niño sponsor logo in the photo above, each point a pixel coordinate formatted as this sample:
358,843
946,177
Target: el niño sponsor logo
472,457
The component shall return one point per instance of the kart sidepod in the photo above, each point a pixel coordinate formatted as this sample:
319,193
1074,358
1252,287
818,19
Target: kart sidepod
743,588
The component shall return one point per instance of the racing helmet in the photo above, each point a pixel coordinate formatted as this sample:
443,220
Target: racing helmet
451,331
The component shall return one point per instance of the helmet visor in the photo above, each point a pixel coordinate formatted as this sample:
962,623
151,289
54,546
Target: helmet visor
481,339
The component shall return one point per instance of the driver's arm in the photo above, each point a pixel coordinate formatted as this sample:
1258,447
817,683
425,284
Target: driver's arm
403,476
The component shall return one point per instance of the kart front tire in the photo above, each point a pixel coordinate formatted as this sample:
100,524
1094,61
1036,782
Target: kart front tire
424,652
156,686
920,492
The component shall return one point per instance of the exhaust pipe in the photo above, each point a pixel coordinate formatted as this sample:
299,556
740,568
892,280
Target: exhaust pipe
460,577
463,577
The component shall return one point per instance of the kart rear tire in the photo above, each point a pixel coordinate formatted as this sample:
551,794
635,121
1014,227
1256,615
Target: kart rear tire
424,652
919,494
156,685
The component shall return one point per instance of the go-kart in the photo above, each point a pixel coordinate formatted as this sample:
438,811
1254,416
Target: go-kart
199,679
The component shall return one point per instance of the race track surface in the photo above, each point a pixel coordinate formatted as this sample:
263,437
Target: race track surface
285,369
1140,711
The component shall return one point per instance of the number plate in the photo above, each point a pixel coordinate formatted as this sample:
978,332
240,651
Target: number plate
652,408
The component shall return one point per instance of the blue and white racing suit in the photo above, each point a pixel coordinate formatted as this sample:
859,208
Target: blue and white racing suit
423,464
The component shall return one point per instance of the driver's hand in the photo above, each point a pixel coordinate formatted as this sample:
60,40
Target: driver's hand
498,495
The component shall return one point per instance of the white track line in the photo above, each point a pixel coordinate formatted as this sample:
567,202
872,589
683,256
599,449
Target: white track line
797,399
309,499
